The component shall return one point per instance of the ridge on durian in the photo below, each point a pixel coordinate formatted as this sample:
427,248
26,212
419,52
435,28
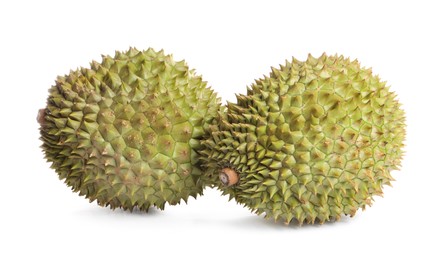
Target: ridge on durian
125,131
311,142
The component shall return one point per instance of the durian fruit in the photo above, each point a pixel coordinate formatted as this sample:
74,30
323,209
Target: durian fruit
125,131
312,142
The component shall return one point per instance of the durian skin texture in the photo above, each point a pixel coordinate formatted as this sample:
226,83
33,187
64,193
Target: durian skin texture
125,131
312,142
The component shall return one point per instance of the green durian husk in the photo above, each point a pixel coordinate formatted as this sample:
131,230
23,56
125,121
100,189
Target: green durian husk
125,131
311,142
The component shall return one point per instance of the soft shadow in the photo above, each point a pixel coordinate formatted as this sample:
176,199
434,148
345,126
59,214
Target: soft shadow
259,222
108,212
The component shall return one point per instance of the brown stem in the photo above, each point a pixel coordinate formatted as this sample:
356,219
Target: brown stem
40,116
228,176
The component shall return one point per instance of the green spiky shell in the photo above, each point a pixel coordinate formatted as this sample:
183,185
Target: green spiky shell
313,141
125,132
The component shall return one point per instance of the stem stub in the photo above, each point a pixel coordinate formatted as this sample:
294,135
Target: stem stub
40,116
228,176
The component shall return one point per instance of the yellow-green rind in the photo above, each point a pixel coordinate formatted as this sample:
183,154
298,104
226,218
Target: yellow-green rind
125,131
313,141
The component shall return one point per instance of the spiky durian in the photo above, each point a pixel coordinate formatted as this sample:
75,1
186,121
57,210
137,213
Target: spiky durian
125,131
311,142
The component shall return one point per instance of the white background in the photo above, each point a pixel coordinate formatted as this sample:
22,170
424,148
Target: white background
230,43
